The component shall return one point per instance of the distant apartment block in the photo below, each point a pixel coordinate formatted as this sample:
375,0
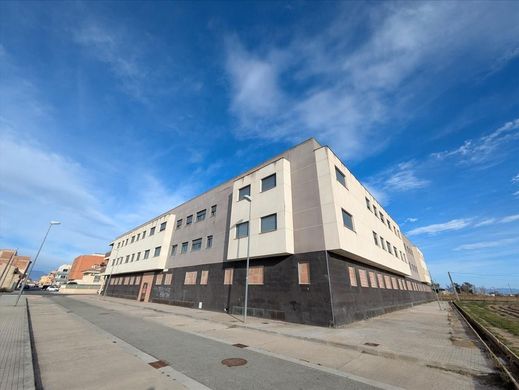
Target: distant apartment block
84,263
323,250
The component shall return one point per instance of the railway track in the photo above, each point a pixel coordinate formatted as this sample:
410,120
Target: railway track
504,358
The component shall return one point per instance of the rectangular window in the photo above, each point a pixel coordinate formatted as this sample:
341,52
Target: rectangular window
375,211
380,281
388,224
118,244
373,280
395,251
146,254
200,216
138,256
204,277
228,276
340,177
389,247
303,269
209,242
179,223
157,252
189,220
243,191
242,229
196,245
368,204
363,278
152,231
268,182
127,258
190,278
353,276
126,242
387,281
269,223
160,279
184,248
383,243
133,257
256,275
168,279
174,250
375,238
213,210
143,234
162,226
133,240
393,282
347,219
381,217
138,237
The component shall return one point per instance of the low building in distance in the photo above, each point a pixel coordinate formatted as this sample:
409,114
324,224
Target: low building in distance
323,250
13,268
83,263
61,275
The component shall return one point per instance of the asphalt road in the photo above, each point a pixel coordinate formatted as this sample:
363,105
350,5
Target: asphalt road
200,358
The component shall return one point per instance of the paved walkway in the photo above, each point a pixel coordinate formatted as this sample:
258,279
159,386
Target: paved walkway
16,370
417,347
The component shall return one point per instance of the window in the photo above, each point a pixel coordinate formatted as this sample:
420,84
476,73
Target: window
138,236
213,210
380,281
228,276
162,226
127,258
242,229
373,280
389,247
375,211
243,191
168,279
184,248
383,242
200,216
179,223
303,271
256,275
375,238
340,177
138,256
152,231
196,245
204,276
143,234
133,240
269,223
209,241
381,217
174,250
190,278
388,224
160,279
368,204
396,251
157,252
133,257
347,219
189,219
268,183
363,278
146,254
118,244
353,276
126,242
387,281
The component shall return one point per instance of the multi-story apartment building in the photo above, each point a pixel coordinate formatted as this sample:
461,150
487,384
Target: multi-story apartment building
322,249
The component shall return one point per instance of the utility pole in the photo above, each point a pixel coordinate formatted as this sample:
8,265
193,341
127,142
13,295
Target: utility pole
453,287
436,293
248,199
111,271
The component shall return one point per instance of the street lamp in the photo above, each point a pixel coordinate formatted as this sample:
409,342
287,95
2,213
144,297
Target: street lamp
51,223
248,199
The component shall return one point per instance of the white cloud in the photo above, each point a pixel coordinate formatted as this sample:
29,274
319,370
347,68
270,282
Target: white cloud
455,224
486,244
510,218
412,220
516,193
486,222
515,179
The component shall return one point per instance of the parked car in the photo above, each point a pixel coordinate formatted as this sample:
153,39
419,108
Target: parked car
53,289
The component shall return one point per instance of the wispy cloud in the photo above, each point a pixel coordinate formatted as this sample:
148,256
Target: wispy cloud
411,220
455,224
515,179
510,218
486,222
486,244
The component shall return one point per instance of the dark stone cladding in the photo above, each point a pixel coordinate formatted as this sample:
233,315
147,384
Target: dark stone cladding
280,296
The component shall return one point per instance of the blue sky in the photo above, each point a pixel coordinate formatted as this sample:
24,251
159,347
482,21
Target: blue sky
111,113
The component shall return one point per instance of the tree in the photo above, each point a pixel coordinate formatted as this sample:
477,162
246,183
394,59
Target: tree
467,288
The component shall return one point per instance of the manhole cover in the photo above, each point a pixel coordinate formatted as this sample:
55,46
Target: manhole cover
158,364
372,344
233,362
240,345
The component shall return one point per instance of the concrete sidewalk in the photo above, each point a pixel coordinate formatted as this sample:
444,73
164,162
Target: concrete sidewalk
16,369
417,347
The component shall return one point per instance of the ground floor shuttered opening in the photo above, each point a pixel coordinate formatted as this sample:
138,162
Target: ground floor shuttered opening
291,288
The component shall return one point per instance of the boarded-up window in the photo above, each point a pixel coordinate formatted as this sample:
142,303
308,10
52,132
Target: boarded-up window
363,278
353,276
256,275
380,281
373,280
387,279
204,277
168,279
190,277
393,282
409,286
228,276
160,279
138,280
303,270
127,280
132,280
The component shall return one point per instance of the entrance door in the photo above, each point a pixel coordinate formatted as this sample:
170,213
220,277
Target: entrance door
144,289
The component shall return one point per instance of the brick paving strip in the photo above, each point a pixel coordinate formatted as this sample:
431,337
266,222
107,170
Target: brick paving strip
16,366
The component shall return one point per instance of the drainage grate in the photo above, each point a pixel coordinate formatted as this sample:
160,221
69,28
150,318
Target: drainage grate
240,345
158,364
372,344
233,362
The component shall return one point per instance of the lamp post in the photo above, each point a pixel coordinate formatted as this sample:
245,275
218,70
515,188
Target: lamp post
248,199
51,223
